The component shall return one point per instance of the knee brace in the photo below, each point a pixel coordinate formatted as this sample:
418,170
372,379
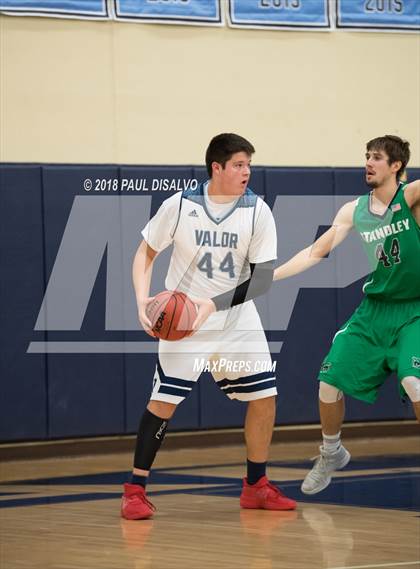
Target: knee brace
328,393
412,387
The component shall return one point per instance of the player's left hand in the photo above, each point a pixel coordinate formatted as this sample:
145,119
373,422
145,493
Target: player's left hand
205,307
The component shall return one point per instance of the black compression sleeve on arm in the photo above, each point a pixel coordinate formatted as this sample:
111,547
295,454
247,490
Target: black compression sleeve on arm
258,284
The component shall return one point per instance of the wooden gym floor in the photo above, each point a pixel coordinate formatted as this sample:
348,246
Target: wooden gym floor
64,513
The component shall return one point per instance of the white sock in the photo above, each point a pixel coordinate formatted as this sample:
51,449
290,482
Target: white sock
331,443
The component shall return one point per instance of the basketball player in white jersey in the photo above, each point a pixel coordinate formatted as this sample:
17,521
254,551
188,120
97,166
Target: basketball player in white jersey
222,234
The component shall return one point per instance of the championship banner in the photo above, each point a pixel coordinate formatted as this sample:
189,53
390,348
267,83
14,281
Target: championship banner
393,15
192,12
92,9
280,14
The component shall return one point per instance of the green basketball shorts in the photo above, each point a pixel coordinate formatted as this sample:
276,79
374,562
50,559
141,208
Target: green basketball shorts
380,337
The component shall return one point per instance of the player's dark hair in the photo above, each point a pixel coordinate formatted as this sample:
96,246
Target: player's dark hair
397,149
223,146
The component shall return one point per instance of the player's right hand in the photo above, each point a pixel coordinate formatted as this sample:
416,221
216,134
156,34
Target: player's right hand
142,313
205,307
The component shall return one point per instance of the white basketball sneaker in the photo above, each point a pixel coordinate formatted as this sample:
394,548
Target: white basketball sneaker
325,464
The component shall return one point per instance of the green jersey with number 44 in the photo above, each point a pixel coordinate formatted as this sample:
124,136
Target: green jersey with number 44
392,243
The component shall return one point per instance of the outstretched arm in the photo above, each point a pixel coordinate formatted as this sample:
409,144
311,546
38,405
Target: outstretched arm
412,193
412,197
310,256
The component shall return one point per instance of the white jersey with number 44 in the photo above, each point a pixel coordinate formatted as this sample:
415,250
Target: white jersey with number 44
211,255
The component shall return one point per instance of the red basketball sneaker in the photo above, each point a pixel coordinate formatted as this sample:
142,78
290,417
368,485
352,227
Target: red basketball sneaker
135,505
264,496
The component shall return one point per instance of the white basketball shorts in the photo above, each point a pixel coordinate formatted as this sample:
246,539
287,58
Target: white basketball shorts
231,345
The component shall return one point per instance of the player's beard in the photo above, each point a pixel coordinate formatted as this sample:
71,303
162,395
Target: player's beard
373,185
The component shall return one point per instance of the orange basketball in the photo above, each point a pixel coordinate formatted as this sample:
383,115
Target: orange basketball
172,315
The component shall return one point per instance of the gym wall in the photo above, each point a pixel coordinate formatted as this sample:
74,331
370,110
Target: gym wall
74,361
110,92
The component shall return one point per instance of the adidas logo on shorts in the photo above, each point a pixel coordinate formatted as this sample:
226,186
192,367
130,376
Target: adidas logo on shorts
193,213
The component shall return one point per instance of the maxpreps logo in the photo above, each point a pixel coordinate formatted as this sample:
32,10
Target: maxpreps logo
106,228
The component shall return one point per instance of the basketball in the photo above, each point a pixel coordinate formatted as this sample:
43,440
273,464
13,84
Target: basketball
172,315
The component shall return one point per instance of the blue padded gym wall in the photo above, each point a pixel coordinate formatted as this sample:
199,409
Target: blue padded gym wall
79,365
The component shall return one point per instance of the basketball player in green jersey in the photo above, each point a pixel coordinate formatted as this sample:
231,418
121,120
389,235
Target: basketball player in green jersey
383,334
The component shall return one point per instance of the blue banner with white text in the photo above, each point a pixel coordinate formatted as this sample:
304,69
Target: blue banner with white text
310,14
63,8
398,15
177,11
